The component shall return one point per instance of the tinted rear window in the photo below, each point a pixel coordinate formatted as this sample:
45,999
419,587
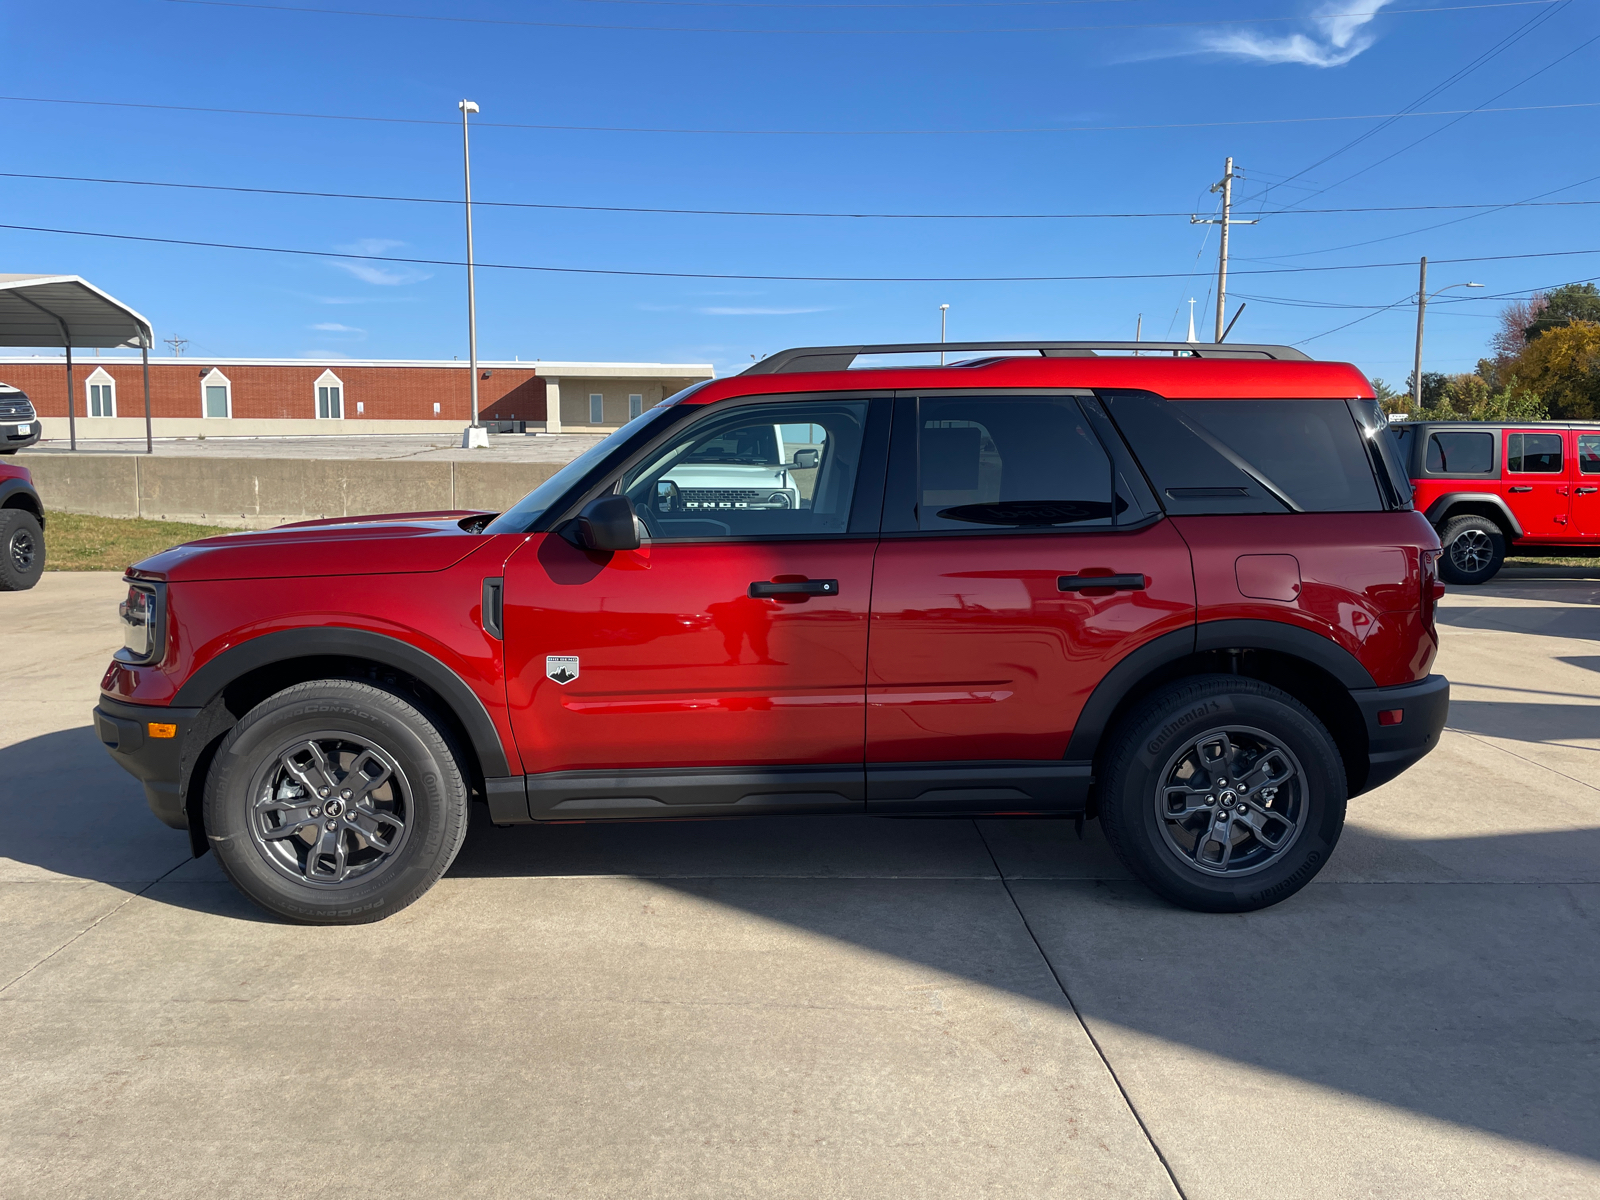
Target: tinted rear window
1461,453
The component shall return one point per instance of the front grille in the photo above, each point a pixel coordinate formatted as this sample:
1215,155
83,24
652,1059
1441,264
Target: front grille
16,409
732,498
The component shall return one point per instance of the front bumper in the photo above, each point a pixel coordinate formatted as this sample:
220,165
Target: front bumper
156,762
1392,748
12,437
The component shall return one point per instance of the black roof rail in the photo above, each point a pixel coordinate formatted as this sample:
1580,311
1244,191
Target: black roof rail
839,358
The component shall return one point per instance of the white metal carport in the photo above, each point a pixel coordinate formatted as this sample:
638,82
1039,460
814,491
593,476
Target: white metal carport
68,311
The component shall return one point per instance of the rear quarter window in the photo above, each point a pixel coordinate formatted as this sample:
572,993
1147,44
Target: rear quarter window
1460,452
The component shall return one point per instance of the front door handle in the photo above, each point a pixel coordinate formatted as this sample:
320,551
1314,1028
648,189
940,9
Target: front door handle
1119,583
1584,491
494,603
1520,489
794,587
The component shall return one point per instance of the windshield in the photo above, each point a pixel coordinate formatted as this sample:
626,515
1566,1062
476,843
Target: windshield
525,513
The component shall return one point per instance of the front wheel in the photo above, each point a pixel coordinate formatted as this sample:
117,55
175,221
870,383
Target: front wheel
335,803
21,550
1223,794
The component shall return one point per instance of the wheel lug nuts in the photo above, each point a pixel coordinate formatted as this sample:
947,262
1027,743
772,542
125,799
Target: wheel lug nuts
1241,808
316,812
332,825
1211,799
324,791
346,794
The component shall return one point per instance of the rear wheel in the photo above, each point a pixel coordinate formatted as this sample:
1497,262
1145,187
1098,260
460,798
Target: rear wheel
1223,794
21,550
335,803
1474,548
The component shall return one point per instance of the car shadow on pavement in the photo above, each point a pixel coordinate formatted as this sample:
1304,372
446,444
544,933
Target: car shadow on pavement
1526,722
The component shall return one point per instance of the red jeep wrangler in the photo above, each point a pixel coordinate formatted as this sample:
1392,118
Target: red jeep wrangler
1489,489
1182,589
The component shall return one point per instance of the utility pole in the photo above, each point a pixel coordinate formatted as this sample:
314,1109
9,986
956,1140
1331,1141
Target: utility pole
1422,307
178,344
944,311
1225,186
474,434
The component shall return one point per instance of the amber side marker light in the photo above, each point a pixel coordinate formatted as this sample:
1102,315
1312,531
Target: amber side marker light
167,731
1389,716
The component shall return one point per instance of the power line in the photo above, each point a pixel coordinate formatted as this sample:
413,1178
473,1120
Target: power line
254,112
390,16
733,212
448,262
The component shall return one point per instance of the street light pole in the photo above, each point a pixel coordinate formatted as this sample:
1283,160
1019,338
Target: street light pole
474,434
1422,308
944,311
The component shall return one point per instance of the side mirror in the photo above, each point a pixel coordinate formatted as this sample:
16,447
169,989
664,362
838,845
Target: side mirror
807,458
668,498
607,523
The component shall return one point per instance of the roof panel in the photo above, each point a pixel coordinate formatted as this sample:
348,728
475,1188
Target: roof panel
33,309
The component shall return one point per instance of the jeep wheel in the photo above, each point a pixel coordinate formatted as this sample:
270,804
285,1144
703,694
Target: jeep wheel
1474,548
21,550
1223,794
335,803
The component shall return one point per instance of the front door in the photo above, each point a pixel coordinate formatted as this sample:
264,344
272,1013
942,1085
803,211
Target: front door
989,630
721,666
1536,485
1586,489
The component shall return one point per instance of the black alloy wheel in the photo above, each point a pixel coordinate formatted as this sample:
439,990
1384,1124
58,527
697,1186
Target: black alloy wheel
335,803
1474,549
1223,794
21,550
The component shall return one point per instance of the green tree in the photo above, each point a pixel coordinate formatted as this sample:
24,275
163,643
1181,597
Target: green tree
1561,307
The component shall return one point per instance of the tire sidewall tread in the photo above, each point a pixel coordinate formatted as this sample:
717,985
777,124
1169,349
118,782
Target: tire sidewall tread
12,579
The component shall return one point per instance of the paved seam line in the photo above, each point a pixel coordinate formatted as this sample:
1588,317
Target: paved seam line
1521,758
1084,1025
92,924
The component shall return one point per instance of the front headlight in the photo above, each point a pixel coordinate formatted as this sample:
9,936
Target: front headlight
142,623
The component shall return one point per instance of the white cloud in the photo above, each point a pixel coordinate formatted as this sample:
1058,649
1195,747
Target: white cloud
335,327
380,276
369,246
1341,34
756,312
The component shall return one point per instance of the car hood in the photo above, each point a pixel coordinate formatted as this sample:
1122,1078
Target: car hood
396,543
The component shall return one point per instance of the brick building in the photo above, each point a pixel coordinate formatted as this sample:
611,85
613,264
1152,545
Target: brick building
218,397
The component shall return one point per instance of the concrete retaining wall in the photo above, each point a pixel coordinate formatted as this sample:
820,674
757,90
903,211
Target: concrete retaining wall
257,493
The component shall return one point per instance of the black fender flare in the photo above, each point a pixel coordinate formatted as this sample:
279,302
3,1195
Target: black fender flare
1444,503
1208,635
13,490
339,641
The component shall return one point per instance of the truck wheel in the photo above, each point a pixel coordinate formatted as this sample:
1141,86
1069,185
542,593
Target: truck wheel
1223,794
335,803
21,550
1474,548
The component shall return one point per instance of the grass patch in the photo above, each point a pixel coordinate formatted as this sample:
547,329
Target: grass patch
74,542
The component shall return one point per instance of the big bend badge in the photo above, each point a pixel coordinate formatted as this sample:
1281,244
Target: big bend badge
563,668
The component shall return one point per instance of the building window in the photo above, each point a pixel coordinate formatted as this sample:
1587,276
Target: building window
597,408
216,393
635,405
102,394
330,397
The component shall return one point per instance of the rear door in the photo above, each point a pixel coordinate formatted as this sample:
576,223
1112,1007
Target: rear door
1535,482
1585,521
988,630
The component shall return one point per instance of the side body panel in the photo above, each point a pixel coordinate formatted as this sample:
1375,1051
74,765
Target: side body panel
1586,487
1541,500
1352,577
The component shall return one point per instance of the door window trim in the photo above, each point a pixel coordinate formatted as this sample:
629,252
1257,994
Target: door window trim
1559,434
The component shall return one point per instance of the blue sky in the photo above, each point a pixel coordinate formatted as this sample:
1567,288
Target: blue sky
855,67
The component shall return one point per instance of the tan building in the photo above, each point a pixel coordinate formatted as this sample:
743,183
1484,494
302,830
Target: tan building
241,397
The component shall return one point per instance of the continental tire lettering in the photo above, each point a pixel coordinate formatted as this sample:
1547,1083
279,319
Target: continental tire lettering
1295,882
1177,724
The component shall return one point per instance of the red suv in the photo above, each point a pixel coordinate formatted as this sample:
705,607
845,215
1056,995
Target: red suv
21,530
1179,587
1489,489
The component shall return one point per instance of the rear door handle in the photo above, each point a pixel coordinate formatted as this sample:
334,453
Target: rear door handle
795,587
1120,583
1585,491
1520,489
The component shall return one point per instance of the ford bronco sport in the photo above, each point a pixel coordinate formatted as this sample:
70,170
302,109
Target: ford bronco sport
1492,489
1183,590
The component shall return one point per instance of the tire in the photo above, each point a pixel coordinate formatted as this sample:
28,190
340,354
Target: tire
395,832
1474,549
21,550
1288,832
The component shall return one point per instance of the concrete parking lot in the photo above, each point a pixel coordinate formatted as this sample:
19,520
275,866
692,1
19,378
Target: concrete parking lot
821,1006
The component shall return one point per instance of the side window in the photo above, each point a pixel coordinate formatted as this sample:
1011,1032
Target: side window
1458,453
760,470
1007,462
1533,453
1589,453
